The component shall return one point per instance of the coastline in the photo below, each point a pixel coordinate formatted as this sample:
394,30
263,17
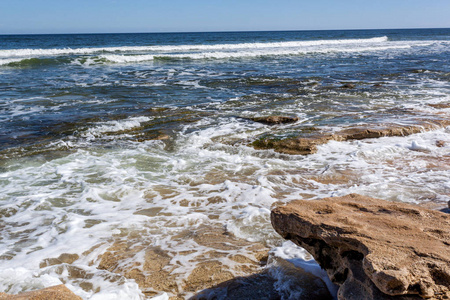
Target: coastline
148,166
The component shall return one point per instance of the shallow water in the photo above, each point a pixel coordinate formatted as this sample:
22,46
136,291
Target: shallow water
146,137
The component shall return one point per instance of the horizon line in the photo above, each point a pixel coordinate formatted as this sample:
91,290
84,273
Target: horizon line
224,31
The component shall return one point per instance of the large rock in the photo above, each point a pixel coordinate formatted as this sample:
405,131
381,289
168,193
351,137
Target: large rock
373,249
57,292
308,145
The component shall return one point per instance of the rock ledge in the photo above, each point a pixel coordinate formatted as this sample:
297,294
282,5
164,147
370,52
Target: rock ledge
308,144
373,248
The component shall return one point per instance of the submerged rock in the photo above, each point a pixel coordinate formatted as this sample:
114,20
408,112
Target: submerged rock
295,146
308,145
440,143
57,292
66,258
439,105
348,86
373,249
155,269
273,120
281,281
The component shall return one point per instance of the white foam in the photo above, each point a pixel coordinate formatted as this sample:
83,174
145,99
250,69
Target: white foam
73,203
127,54
415,146
176,48
245,54
300,258
163,296
7,61
115,126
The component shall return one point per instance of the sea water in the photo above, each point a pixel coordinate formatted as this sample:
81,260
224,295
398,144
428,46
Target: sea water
106,134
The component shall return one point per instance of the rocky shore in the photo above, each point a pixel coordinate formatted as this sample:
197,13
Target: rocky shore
370,247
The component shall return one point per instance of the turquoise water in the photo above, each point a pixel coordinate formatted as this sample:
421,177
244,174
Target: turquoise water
94,128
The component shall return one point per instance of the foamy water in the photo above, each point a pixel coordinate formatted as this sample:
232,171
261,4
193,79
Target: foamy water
94,153
215,51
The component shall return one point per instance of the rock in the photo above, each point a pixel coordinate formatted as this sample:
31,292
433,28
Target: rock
440,105
66,258
348,86
295,146
308,145
371,248
57,292
273,120
440,143
282,281
242,288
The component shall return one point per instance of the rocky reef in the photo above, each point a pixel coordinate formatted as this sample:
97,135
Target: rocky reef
307,144
372,247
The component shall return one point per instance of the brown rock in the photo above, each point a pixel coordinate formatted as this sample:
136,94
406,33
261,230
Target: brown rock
439,105
66,258
373,249
308,145
57,292
273,120
296,146
440,143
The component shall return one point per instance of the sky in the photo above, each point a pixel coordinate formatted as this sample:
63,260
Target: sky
114,16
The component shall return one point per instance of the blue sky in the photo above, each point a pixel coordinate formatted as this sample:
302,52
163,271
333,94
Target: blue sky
92,16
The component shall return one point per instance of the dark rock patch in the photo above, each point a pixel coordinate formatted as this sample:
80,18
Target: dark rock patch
275,120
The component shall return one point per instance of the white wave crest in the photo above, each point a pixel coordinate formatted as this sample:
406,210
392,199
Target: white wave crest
217,51
115,126
8,61
242,54
169,48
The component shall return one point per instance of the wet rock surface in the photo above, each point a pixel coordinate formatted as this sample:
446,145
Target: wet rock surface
231,268
57,292
295,283
348,86
274,120
439,105
157,271
372,247
308,145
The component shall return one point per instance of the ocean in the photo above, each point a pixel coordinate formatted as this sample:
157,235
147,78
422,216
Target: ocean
146,140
